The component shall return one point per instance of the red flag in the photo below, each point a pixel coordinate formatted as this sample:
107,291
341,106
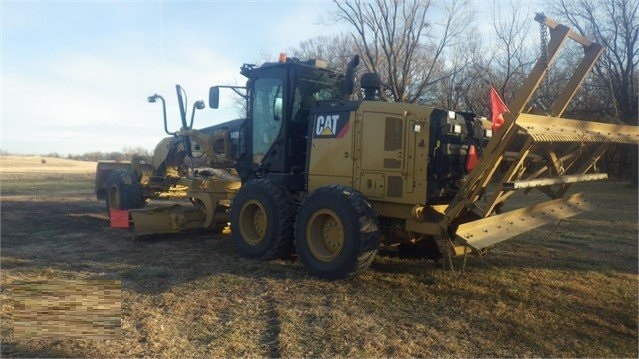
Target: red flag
498,108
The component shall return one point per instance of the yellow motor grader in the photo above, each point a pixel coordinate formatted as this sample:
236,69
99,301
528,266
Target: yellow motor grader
314,172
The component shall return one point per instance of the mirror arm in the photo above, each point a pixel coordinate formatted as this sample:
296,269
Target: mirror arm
237,91
153,99
214,94
166,126
197,105
192,116
181,103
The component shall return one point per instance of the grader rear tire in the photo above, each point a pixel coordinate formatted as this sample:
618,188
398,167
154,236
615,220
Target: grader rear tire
336,232
262,216
123,191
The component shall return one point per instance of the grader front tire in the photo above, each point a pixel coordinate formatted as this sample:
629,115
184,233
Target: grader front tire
123,191
262,218
336,233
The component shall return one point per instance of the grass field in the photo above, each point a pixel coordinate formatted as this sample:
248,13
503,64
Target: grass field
559,291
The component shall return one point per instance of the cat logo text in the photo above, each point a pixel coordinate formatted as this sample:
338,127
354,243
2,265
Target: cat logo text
328,126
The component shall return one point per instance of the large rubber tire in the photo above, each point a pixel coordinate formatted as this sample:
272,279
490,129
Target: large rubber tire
123,191
336,232
262,216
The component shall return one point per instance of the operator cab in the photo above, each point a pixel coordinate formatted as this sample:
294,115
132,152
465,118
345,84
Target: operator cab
279,97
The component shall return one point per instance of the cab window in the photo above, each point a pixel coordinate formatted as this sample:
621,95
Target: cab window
267,114
309,90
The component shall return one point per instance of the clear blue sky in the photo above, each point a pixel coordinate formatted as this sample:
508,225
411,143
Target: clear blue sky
76,74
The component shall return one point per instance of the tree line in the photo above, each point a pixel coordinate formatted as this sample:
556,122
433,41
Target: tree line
117,156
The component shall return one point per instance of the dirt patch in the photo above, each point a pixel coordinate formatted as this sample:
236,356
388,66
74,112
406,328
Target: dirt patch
566,291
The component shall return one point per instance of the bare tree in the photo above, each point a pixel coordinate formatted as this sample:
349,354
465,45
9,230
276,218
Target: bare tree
615,25
129,152
466,88
512,57
337,49
393,40
503,61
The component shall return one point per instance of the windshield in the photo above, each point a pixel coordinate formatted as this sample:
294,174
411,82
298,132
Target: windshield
267,115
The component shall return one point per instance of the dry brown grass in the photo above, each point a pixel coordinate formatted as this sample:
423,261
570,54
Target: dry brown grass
20,165
571,294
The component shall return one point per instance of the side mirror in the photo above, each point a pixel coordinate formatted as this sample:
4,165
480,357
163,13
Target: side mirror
214,97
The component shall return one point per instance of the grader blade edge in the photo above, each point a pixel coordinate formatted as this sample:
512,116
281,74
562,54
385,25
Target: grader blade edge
492,230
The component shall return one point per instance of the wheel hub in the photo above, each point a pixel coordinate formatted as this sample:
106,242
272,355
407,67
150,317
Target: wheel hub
325,235
253,222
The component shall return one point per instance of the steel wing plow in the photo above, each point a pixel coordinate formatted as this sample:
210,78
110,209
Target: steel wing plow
532,152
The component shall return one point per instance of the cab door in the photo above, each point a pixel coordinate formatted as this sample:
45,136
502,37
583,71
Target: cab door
266,116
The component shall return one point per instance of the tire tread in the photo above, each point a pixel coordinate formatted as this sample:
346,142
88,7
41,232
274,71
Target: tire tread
130,194
282,245
369,241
